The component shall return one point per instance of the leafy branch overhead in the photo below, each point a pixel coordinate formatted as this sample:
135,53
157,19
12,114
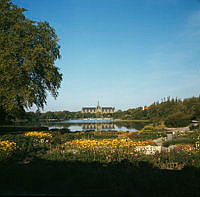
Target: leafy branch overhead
28,50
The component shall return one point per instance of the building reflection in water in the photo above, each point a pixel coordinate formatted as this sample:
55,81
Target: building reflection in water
98,126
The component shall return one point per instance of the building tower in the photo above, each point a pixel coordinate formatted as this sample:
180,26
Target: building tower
98,109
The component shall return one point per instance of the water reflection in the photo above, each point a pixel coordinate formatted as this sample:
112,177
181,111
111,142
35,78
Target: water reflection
98,126
77,125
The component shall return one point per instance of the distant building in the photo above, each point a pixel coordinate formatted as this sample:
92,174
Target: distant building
98,109
145,108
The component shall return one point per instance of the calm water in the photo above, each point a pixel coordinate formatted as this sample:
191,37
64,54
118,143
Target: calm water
96,125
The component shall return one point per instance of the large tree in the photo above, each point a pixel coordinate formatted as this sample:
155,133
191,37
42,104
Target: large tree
28,50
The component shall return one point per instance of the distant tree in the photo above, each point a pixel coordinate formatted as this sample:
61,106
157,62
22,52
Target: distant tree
28,50
178,119
196,111
50,115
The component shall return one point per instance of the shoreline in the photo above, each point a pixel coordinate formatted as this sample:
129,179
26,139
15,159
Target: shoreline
120,120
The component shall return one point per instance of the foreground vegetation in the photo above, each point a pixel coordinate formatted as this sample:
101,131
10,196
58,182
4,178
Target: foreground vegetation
99,146
69,163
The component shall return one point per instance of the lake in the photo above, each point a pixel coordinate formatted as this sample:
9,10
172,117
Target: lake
95,125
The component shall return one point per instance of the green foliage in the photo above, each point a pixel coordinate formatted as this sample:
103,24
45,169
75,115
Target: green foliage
183,111
178,119
147,135
183,138
175,112
170,112
161,111
57,168
130,114
53,150
27,146
28,50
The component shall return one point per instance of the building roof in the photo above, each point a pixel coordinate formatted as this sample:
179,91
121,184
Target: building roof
107,107
89,108
98,107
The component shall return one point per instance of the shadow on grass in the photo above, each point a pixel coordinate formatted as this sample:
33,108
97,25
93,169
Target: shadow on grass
12,129
43,177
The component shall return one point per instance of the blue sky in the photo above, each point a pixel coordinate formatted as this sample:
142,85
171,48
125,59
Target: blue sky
124,53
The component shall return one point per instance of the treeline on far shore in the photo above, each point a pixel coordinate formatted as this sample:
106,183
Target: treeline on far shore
173,112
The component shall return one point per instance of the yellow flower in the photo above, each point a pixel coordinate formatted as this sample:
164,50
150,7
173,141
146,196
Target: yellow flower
7,146
105,143
37,134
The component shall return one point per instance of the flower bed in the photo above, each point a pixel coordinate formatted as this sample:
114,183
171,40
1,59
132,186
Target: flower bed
105,143
103,150
7,148
103,147
37,134
6,145
184,147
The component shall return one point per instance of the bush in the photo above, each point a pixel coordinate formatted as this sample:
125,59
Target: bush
147,135
148,128
178,119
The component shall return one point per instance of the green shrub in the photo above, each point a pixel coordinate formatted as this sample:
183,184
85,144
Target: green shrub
178,119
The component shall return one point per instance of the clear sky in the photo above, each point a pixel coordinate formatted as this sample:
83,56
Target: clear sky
124,53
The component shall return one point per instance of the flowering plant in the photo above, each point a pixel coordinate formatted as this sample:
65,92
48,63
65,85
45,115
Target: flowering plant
37,134
6,149
39,137
184,147
103,150
6,145
197,144
106,143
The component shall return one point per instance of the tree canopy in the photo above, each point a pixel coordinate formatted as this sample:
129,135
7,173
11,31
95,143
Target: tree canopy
173,111
28,50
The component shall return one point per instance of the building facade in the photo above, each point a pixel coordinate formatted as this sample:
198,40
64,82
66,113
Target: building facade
145,108
98,109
